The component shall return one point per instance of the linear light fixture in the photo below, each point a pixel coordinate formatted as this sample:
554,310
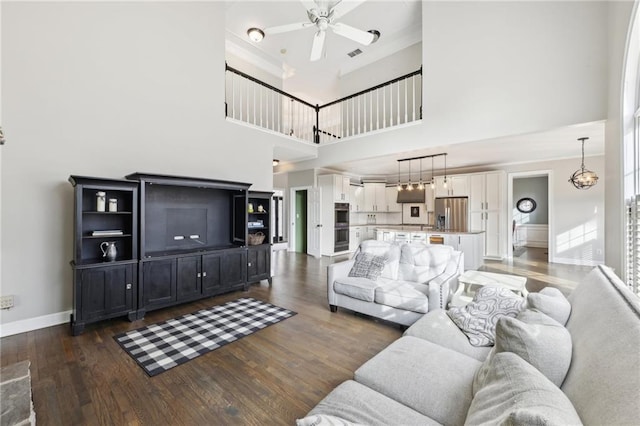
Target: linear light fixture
409,186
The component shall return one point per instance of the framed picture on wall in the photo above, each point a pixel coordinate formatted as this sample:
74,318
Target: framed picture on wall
415,211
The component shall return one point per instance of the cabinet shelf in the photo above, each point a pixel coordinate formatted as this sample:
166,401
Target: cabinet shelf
98,237
106,213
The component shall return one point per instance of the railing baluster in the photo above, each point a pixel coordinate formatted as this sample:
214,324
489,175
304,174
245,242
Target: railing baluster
406,84
398,113
384,108
261,109
413,81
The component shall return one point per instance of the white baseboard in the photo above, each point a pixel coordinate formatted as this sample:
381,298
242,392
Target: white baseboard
30,324
579,262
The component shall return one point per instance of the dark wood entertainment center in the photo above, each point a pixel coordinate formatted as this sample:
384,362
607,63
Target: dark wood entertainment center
178,239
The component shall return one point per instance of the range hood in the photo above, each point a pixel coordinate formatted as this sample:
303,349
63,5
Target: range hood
417,196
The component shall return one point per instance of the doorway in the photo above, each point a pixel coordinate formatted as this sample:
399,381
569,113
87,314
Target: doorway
530,215
300,221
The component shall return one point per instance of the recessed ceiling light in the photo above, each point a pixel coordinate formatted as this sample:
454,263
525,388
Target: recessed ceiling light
376,35
255,34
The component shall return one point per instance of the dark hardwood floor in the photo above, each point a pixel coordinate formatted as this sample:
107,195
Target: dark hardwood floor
271,377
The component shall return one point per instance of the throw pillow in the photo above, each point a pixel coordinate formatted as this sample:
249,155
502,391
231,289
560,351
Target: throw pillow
478,318
515,393
552,302
535,337
323,420
367,266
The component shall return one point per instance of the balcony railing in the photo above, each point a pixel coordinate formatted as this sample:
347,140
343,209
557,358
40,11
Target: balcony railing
392,103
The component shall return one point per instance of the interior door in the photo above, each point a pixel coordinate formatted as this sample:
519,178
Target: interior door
314,222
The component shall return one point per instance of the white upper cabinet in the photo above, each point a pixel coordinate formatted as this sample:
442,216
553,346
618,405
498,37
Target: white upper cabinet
392,199
341,188
375,197
356,198
457,186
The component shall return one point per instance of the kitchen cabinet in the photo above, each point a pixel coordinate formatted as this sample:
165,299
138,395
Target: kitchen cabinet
375,197
487,211
457,186
340,187
428,198
356,198
385,235
355,236
391,193
368,233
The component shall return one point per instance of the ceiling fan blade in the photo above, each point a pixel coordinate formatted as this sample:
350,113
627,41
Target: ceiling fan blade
286,28
318,44
309,4
344,7
362,37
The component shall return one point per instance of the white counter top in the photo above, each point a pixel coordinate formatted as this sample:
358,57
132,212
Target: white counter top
419,228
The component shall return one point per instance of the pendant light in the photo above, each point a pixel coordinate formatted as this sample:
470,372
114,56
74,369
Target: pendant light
409,185
433,181
583,178
444,184
399,184
421,184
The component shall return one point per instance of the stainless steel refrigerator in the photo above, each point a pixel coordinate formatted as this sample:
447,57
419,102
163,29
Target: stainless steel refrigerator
452,214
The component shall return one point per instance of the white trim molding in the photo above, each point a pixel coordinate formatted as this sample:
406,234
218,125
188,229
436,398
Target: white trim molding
30,324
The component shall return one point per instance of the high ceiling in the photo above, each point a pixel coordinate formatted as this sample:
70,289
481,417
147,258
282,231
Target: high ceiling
398,21
286,57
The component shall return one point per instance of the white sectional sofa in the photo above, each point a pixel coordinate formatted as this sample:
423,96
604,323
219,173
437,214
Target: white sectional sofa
416,278
432,375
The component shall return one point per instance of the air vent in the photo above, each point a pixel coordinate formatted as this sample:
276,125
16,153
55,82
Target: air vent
354,53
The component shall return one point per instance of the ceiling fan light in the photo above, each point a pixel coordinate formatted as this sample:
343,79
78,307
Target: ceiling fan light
376,35
255,34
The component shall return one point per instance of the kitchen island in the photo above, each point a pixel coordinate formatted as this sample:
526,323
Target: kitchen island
471,243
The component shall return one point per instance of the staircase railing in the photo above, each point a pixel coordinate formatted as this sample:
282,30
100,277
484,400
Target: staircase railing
392,103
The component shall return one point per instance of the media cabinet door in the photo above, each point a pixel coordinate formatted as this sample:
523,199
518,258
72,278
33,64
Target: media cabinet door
159,282
189,284
211,274
259,263
234,268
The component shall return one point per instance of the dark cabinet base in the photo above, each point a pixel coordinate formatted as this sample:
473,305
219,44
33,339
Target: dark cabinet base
103,292
184,278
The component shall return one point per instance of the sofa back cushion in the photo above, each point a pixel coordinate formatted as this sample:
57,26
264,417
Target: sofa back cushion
389,250
516,393
538,339
552,302
421,262
603,382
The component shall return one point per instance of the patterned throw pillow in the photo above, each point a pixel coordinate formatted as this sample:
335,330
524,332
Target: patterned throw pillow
478,319
367,266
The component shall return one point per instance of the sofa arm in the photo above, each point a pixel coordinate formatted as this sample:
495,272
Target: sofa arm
336,270
442,286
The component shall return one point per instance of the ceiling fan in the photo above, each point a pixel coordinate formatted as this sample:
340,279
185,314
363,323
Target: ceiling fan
324,14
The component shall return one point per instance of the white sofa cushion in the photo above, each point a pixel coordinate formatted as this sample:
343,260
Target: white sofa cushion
356,287
389,250
421,262
437,327
538,339
552,302
431,379
403,295
516,393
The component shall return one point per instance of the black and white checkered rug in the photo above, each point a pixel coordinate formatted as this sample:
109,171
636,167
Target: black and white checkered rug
159,347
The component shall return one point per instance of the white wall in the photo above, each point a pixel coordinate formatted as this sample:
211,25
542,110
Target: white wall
500,68
105,89
576,217
493,69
